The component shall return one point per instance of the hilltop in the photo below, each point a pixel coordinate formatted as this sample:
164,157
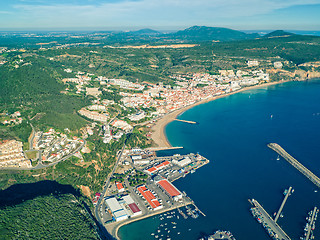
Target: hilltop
278,33
204,33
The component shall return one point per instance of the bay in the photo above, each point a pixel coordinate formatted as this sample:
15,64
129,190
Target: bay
233,133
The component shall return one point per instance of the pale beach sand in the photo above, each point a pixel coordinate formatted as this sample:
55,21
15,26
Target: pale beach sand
158,130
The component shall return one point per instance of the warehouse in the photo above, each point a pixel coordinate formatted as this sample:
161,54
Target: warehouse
168,188
182,162
117,211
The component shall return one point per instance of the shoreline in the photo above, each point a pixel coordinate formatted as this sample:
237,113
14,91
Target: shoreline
159,136
116,229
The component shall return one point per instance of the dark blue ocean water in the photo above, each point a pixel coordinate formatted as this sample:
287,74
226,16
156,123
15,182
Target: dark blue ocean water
233,133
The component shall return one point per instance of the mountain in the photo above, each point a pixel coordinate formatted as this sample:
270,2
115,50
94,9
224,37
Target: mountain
145,31
278,33
203,33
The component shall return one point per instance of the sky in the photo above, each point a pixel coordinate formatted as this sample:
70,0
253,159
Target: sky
159,14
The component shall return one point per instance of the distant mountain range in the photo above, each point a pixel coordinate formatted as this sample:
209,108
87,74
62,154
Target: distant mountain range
197,34
203,33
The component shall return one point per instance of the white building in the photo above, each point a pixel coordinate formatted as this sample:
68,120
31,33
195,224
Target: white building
182,162
252,63
118,212
278,65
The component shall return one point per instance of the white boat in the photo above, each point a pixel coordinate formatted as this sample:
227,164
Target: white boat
278,158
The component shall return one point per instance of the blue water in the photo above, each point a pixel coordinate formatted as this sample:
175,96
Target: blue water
233,133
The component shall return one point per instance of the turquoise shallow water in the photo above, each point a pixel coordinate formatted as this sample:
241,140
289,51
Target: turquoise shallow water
233,133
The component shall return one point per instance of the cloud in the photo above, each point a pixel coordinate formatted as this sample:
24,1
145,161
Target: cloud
145,12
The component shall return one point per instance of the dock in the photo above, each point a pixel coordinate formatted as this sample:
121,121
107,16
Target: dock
283,203
273,229
197,209
311,224
295,163
185,121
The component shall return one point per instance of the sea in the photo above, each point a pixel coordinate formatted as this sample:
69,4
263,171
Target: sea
233,133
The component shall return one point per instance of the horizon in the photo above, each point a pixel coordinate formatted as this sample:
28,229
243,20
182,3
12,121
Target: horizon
112,15
164,31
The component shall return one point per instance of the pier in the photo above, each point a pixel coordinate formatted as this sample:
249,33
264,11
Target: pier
311,223
295,163
185,121
273,229
283,203
197,209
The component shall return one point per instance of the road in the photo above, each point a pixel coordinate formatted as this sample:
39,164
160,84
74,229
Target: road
96,210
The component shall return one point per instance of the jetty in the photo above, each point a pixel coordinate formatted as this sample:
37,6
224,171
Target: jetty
283,203
273,229
163,148
185,121
295,163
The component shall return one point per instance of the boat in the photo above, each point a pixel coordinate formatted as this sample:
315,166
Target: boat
278,158
192,171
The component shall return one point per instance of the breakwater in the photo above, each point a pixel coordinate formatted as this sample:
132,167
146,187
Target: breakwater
295,163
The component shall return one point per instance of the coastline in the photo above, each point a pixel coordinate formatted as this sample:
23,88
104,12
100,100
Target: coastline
158,130
116,229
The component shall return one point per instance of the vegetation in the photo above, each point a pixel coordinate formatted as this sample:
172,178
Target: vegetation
138,179
47,217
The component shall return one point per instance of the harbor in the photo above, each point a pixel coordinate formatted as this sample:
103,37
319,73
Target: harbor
142,187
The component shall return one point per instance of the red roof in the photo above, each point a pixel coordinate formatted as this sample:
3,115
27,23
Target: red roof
169,188
151,199
152,169
159,166
119,185
134,208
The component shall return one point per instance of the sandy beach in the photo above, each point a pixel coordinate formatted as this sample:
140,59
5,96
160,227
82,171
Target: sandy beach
158,130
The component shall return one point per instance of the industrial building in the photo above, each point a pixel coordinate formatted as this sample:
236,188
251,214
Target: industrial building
168,188
135,210
182,162
117,211
158,167
151,199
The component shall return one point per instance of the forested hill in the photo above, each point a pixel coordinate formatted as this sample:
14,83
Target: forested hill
203,33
